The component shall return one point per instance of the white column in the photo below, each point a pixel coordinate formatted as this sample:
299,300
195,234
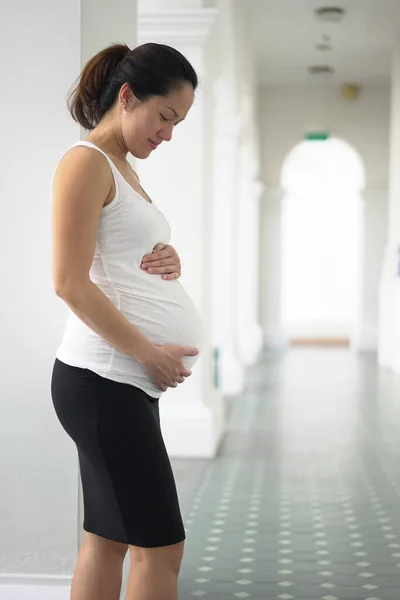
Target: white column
271,268
224,265
193,414
249,337
361,337
249,332
373,239
389,309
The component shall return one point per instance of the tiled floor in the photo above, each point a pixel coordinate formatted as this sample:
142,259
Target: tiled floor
303,501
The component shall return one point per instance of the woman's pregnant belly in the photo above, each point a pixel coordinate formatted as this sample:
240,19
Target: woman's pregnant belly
164,313
161,310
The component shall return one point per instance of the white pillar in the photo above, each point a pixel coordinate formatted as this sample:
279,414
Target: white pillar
39,524
271,268
389,309
361,336
373,238
249,337
249,332
224,145
225,251
193,414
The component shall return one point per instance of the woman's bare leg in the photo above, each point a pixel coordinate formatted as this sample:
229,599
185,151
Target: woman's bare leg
98,572
154,572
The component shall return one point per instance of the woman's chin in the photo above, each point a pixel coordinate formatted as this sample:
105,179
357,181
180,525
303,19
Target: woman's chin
141,154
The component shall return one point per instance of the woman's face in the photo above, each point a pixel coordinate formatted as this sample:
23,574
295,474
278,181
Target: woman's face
149,123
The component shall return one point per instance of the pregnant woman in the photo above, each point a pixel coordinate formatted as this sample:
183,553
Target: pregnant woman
130,333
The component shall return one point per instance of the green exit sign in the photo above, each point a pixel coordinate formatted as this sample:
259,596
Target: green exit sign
317,136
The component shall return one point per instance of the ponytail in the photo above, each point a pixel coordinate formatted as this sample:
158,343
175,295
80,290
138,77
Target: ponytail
88,101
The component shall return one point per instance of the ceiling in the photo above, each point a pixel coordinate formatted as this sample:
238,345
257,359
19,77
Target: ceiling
286,33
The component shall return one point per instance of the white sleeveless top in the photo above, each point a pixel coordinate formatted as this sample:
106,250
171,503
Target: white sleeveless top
129,228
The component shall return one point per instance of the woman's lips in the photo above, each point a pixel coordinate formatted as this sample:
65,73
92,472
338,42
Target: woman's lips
153,145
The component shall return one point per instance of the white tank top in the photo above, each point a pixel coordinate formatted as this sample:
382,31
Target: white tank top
129,228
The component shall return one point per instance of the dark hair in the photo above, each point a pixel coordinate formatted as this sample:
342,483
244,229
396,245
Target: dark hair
150,70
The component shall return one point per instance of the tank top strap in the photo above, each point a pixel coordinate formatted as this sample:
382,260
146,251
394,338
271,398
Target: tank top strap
91,145
116,174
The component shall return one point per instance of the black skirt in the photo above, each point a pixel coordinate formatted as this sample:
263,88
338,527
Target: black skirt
128,485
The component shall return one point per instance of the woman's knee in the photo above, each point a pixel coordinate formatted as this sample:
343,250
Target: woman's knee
164,557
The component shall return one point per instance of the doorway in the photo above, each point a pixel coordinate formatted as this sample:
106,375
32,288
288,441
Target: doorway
322,217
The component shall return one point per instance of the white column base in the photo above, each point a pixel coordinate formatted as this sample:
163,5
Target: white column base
257,337
385,336
232,374
275,338
388,319
389,326
191,431
365,340
251,344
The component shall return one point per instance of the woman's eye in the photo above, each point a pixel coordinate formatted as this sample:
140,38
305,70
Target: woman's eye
163,118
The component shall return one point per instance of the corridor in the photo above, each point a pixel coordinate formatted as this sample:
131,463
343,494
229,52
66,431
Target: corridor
303,500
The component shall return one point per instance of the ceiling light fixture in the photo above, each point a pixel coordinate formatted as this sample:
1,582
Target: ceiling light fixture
330,14
321,70
323,47
350,91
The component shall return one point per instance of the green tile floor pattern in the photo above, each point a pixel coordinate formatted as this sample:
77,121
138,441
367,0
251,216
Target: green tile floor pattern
303,500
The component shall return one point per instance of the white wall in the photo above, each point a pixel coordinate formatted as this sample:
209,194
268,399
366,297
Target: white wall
286,114
40,57
38,529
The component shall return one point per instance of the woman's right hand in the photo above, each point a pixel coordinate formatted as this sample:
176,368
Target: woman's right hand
165,365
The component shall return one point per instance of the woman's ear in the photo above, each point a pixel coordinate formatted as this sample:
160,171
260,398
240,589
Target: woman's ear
126,96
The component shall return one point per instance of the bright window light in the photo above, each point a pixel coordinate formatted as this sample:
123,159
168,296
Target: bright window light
321,239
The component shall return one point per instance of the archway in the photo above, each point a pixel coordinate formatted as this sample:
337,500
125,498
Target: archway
322,218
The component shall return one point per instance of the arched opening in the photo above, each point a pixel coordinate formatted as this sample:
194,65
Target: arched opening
321,242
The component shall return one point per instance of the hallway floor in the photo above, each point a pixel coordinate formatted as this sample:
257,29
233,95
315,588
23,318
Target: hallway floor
303,500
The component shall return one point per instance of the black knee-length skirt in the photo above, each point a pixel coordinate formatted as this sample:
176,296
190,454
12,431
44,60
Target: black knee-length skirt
128,485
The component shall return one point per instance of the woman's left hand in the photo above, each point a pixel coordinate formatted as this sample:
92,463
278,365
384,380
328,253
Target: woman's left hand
163,260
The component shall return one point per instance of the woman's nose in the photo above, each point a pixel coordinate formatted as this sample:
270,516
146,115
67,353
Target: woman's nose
166,133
